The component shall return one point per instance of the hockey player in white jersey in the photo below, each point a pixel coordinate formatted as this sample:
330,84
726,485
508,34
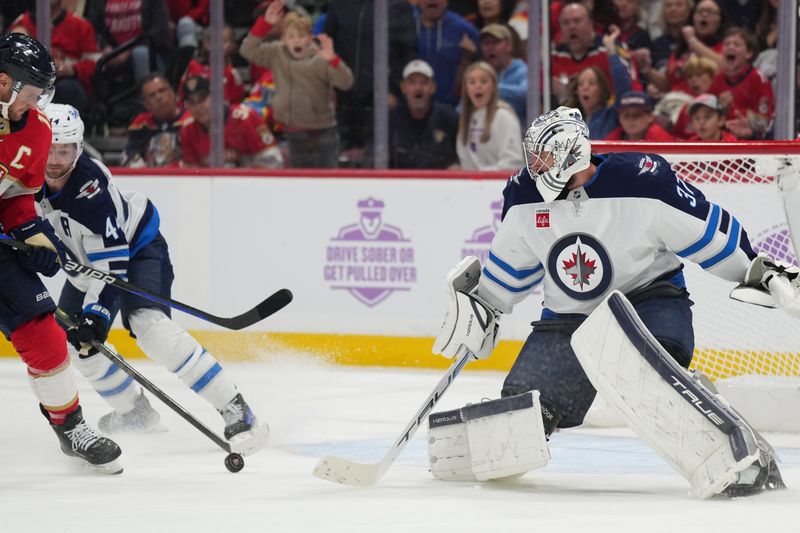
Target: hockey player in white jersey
606,235
118,232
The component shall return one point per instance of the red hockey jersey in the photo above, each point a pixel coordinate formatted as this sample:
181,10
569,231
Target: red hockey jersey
24,148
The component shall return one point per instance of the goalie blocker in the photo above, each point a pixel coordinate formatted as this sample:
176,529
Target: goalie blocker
685,422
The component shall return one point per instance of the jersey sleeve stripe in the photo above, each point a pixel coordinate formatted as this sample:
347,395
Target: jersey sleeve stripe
518,274
508,287
729,249
108,254
707,237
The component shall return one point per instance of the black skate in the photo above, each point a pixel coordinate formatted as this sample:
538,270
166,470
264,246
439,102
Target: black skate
242,429
763,475
79,439
141,419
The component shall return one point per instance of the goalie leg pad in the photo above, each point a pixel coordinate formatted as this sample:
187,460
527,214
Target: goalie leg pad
489,440
701,437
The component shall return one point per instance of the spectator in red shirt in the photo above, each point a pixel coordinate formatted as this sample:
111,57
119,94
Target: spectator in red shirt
153,134
742,89
248,141
635,111
580,48
74,50
699,73
233,86
703,38
708,120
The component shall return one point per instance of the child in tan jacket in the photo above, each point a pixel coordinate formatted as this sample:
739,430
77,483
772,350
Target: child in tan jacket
305,75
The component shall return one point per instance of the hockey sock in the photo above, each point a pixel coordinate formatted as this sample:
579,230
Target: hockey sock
117,388
43,347
167,343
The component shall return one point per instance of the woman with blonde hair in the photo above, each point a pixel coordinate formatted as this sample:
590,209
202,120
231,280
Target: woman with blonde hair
489,132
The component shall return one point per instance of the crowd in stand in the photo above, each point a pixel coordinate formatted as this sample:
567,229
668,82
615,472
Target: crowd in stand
298,78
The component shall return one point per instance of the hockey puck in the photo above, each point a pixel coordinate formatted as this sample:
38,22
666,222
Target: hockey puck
234,462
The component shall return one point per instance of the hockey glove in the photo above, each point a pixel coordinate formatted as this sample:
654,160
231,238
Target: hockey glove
771,283
93,325
468,321
48,250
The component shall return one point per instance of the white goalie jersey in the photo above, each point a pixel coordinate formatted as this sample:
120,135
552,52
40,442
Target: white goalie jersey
631,224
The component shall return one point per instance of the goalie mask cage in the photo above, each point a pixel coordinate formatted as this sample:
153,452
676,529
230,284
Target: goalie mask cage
746,349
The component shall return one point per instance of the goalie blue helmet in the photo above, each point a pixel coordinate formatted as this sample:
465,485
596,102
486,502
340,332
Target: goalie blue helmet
31,68
556,147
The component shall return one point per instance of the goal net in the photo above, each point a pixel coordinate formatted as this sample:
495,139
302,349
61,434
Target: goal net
752,353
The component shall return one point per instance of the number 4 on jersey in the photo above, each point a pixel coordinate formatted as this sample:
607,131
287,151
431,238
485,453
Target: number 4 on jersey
111,229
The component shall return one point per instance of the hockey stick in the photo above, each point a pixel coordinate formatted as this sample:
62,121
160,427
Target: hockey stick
233,457
358,474
274,303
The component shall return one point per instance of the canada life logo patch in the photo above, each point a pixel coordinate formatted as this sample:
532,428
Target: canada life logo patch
580,266
542,218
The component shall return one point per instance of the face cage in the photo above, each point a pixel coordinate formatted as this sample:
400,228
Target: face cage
541,159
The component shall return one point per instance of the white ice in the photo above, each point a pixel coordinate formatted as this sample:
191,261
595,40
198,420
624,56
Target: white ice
597,481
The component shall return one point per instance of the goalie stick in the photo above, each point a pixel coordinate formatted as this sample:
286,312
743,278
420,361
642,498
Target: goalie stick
358,474
274,302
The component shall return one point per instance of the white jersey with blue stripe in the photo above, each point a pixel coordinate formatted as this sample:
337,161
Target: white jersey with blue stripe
101,225
632,223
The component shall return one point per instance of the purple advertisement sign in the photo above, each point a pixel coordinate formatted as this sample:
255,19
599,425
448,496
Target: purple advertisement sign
370,259
481,240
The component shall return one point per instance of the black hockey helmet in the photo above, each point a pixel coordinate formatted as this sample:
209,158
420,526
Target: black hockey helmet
25,59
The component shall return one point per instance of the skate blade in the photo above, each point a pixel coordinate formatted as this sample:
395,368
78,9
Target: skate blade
249,442
111,468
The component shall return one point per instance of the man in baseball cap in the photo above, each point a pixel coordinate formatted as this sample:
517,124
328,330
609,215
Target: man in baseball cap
422,132
708,119
497,48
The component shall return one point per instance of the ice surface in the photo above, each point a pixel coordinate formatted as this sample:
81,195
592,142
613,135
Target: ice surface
599,480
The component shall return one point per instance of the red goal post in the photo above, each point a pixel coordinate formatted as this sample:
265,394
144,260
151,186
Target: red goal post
743,347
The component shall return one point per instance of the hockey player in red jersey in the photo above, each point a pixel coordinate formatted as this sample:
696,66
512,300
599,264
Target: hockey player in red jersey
27,74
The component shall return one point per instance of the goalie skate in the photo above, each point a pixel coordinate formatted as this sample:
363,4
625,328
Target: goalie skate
79,439
242,429
141,419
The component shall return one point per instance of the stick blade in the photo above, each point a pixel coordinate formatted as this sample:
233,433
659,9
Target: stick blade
338,470
274,303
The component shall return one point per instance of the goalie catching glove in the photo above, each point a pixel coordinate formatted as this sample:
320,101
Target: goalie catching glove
469,321
771,283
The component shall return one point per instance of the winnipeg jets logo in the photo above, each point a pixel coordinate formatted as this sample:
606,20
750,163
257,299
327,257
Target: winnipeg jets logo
646,164
580,266
89,190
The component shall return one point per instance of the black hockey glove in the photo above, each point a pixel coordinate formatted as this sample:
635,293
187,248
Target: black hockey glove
92,326
47,250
